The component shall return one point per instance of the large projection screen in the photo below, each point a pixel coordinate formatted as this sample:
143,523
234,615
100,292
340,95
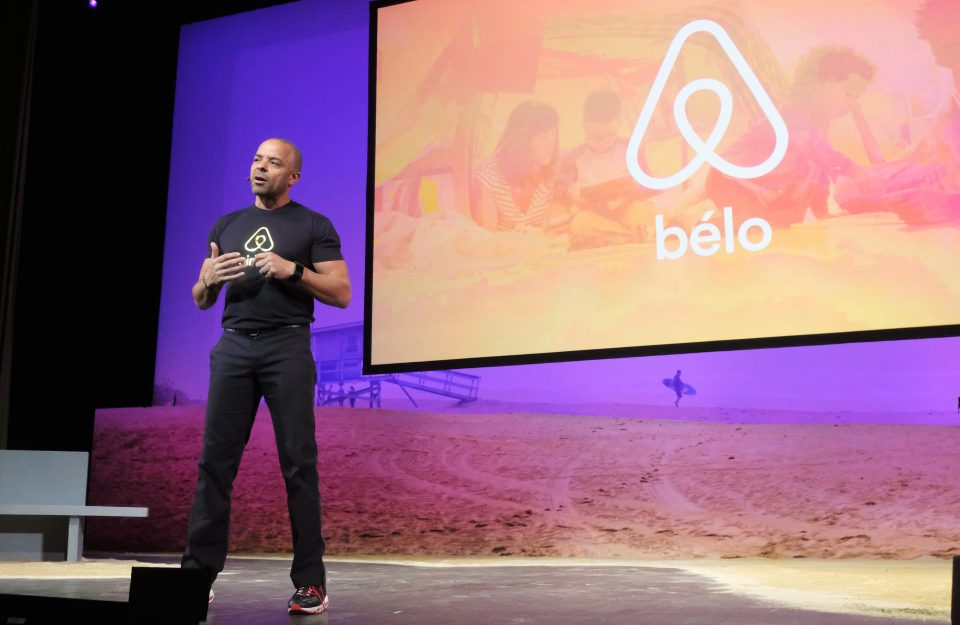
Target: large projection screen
591,178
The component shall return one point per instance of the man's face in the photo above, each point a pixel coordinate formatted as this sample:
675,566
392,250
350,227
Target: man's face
273,171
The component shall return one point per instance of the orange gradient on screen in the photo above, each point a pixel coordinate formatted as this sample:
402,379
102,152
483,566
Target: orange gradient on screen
509,217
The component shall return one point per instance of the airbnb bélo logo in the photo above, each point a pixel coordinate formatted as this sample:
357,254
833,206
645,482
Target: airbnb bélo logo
705,238
704,151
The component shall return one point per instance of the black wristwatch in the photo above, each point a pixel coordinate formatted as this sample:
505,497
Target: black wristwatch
297,273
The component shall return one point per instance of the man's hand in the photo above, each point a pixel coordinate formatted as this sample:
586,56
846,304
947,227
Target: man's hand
221,268
273,266
213,273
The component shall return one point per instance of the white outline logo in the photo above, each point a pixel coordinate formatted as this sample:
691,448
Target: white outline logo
705,151
260,241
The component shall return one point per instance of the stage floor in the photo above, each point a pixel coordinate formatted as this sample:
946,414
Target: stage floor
254,591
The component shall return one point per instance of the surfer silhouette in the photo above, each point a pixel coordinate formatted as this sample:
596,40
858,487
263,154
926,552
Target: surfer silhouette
677,388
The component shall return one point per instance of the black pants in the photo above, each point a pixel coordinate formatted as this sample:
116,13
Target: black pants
278,366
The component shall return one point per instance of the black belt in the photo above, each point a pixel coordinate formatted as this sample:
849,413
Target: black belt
259,331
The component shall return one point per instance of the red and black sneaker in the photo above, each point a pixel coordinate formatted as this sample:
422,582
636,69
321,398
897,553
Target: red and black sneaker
308,600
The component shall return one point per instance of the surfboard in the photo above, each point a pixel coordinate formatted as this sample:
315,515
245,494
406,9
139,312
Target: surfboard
687,389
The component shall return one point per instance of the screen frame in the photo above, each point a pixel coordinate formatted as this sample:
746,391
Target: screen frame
369,368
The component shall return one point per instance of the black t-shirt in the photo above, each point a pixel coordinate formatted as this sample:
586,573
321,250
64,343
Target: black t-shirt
291,231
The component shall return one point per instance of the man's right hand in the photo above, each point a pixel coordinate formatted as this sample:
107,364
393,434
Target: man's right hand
221,268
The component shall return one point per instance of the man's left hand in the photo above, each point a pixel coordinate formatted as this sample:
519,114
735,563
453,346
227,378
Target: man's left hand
273,266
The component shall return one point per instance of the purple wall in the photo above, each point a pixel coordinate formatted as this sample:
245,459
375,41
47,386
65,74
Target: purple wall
299,71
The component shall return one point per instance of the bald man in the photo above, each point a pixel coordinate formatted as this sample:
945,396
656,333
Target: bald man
275,258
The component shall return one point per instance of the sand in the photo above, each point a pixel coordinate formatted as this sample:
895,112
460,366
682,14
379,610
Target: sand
530,485
87,568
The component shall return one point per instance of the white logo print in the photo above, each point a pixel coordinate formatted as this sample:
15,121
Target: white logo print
705,150
261,241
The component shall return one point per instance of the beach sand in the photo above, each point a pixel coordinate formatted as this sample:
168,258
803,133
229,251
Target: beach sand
522,485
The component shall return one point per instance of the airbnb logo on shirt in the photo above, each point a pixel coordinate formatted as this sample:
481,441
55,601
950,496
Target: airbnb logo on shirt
261,241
